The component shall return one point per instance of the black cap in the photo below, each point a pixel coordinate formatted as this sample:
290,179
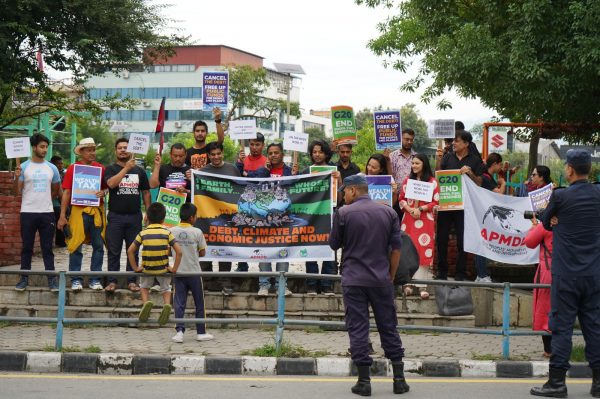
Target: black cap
354,180
578,157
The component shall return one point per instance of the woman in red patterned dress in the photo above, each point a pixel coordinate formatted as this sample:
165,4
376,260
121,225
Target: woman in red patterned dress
419,222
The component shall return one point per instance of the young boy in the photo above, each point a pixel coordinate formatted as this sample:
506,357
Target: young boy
193,246
155,241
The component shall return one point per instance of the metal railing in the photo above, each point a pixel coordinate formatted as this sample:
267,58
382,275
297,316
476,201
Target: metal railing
280,321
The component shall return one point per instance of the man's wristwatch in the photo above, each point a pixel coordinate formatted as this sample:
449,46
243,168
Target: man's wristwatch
217,120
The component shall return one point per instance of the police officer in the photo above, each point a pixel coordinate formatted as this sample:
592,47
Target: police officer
367,278
575,273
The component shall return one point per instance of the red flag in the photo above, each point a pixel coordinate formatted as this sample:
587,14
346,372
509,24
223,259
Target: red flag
40,60
160,126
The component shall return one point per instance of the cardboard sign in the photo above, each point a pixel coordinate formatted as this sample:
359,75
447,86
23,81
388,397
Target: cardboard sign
344,127
334,185
539,198
441,129
138,144
419,190
295,141
388,131
86,183
242,129
450,184
215,90
172,200
18,147
380,189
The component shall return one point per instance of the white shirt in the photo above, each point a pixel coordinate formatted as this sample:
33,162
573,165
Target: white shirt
37,178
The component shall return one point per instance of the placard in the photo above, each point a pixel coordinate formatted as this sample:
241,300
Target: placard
242,129
441,129
388,131
86,183
172,200
295,141
215,90
450,184
334,182
138,144
419,190
19,147
380,189
539,198
343,124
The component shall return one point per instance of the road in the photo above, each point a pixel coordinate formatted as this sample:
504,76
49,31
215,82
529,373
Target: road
72,386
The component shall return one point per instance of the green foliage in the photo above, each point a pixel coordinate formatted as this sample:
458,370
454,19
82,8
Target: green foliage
82,38
578,353
286,350
529,60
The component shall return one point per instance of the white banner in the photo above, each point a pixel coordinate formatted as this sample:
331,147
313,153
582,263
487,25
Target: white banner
495,226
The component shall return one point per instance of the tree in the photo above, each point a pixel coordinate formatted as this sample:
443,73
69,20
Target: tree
531,60
80,37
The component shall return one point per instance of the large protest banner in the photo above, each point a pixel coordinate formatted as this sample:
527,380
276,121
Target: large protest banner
495,226
215,90
86,183
343,124
264,220
388,133
451,193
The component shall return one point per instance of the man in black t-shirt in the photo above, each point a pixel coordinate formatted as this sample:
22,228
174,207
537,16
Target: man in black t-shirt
172,176
128,185
469,164
197,155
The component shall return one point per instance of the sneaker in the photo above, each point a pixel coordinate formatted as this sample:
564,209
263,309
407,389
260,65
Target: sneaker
263,291
155,288
327,291
204,337
311,291
76,285
52,284
95,285
145,312
178,337
227,291
22,284
486,279
288,292
165,314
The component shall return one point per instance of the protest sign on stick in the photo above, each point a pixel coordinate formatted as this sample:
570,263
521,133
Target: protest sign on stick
388,131
215,90
343,124
138,144
18,147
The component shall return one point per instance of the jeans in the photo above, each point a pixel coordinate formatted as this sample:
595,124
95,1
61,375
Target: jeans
121,226
265,282
481,265
329,267
30,224
76,257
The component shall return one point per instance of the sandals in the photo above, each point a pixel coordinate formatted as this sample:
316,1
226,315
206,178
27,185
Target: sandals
424,294
111,287
133,287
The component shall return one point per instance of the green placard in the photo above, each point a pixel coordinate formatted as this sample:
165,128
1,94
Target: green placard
172,200
343,124
450,184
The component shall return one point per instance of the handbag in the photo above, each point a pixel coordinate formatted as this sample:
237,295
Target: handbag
409,261
453,300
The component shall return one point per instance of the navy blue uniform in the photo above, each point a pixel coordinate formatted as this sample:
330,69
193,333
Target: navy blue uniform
575,270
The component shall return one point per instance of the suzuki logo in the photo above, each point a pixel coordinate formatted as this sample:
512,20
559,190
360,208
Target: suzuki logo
497,141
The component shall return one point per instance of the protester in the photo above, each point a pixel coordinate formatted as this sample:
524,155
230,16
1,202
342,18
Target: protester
38,181
128,186
575,288
274,167
369,263
197,155
85,223
538,236
193,247
377,166
344,164
172,176
320,155
401,159
155,241
440,152
469,164
59,237
540,177
217,166
419,222
493,166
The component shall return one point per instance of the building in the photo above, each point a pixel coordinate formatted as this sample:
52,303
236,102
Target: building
179,79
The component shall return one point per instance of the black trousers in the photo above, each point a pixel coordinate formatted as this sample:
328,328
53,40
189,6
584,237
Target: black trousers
445,221
45,224
119,227
60,236
571,297
356,303
183,285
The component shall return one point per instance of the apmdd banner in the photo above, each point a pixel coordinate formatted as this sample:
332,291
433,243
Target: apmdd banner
495,226
264,220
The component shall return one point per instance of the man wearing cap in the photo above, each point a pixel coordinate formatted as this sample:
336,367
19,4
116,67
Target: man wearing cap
86,224
575,288
369,263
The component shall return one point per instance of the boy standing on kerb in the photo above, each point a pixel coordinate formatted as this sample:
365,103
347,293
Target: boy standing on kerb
156,241
193,247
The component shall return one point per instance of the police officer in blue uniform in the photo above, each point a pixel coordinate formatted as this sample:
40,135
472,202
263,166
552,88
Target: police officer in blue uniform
575,273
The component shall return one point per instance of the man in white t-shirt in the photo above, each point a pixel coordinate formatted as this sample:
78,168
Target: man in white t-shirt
38,181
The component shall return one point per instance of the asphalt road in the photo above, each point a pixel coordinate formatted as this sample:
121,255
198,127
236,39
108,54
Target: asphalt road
72,386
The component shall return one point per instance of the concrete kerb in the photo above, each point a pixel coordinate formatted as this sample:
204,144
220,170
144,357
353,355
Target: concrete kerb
128,363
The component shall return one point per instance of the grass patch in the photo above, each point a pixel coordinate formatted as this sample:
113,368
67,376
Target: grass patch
578,353
411,332
71,349
314,330
6,324
92,349
286,350
485,356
